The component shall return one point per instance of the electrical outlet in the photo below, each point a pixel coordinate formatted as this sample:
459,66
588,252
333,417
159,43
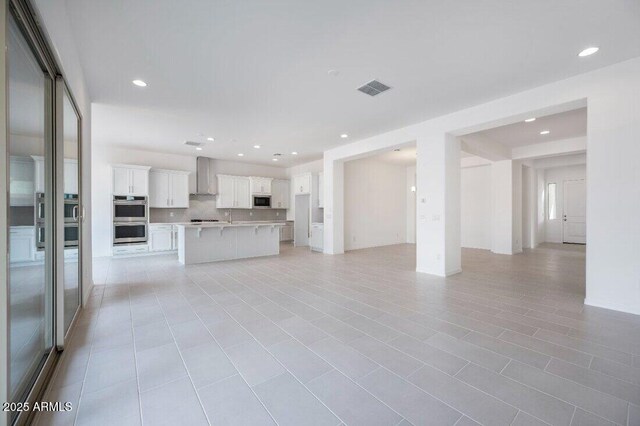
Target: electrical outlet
171,214
354,238
226,213
250,213
277,213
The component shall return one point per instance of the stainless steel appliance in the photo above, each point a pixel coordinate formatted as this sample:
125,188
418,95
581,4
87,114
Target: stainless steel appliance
129,232
128,208
71,235
71,208
261,201
39,206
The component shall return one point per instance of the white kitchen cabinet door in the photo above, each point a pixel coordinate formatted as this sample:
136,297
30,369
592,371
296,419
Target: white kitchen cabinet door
22,181
161,238
121,181
321,189
174,237
260,185
159,189
39,178
280,194
179,190
22,244
242,190
226,195
266,186
70,176
302,184
286,233
139,181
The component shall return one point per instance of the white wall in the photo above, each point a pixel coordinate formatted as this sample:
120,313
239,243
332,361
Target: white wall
475,207
411,205
375,208
612,95
557,175
105,155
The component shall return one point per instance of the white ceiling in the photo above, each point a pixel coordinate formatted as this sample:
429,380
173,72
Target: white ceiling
255,72
405,157
565,125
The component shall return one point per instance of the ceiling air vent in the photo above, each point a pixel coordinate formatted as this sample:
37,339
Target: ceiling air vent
192,143
374,87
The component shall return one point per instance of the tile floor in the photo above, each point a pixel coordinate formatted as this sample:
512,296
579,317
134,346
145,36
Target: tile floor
359,339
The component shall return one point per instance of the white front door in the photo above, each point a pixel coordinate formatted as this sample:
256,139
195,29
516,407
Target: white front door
574,225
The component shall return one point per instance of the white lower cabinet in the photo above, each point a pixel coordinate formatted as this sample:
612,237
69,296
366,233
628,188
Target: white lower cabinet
131,249
316,242
286,233
22,244
161,238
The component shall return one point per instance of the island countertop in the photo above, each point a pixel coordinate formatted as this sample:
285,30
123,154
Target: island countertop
228,224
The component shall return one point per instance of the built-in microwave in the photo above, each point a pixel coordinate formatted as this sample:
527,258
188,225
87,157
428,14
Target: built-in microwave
261,202
127,208
129,232
71,207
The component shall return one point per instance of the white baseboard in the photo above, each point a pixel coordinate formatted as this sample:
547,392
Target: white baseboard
614,306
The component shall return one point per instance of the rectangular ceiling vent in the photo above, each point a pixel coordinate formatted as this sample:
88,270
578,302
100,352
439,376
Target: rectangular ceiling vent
373,88
192,143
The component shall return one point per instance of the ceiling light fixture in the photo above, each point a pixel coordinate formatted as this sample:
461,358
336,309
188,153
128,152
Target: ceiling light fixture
545,132
294,153
344,136
210,139
139,83
588,51
396,150
256,146
274,159
529,120
198,148
240,155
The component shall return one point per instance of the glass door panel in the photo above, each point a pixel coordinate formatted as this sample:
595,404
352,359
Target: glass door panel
30,288
71,183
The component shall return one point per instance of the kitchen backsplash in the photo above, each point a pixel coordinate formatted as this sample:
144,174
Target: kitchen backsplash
204,207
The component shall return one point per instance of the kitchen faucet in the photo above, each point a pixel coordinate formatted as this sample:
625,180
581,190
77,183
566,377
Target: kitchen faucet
229,214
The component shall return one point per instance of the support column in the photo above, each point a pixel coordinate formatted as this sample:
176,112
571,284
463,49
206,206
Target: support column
333,206
438,199
506,194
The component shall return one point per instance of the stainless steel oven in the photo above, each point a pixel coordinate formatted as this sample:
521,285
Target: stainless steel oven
129,232
39,206
127,208
71,207
261,202
71,235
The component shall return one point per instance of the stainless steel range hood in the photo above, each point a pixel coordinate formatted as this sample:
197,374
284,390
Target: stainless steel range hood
206,181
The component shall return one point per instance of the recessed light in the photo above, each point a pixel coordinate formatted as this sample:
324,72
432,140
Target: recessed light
545,132
198,148
529,120
139,83
240,155
294,153
274,159
333,73
344,136
588,51
210,139
256,146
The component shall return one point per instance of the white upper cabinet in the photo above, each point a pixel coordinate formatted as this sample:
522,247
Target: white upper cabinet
22,181
302,184
243,192
321,189
130,180
168,189
260,185
39,170
280,194
180,190
234,192
70,176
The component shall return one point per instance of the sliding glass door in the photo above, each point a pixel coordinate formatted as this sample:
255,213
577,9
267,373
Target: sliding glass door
31,294
44,210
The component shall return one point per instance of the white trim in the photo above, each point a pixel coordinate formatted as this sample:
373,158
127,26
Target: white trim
606,304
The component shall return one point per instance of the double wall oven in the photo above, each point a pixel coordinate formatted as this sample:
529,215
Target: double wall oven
71,220
130,219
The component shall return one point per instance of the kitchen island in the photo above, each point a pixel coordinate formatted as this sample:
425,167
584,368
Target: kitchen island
212,242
